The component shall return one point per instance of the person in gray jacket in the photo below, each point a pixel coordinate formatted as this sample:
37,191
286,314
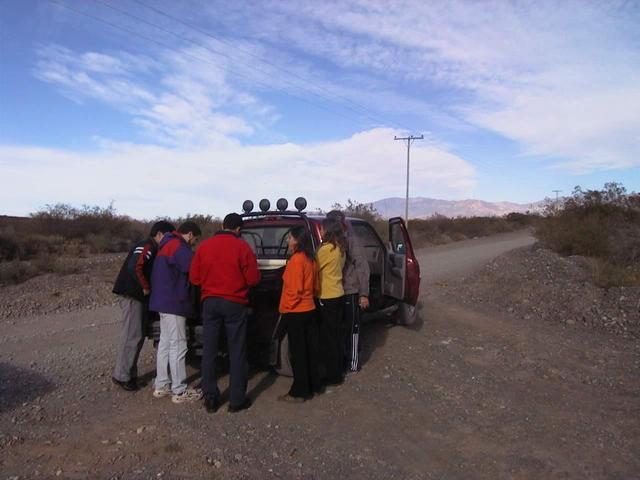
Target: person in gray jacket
355,281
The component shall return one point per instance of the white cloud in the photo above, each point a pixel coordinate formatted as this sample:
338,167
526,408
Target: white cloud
149,181
183,100
562,80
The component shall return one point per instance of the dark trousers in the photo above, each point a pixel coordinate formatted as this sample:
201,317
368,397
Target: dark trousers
331,338
352,332
302,330
218,313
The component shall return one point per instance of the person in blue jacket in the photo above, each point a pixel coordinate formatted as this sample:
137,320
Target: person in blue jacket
171,298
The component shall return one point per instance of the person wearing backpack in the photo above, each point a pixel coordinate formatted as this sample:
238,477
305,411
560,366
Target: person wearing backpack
133,285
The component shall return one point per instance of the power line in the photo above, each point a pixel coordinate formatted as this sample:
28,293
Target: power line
274,65
557,199
408,139
233,58
228,56
235,72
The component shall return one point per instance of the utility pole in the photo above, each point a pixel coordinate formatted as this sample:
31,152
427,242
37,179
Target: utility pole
557,204
409,139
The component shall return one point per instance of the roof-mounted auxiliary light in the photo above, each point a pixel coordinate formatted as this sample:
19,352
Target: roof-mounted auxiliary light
282,204
264,205
247,206
300,203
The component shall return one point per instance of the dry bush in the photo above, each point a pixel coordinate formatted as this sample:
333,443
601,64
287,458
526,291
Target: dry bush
100,229
16,271
207,223
439,229
607,274
603,225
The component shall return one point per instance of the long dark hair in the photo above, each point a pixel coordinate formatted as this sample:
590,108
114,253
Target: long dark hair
303,239
334,234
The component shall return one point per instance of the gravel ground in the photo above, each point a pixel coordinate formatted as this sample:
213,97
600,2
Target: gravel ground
55,293
537,284
469,392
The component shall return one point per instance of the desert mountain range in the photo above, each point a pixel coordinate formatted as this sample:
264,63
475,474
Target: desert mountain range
420,207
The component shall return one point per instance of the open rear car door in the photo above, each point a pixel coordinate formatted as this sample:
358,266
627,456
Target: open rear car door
402,272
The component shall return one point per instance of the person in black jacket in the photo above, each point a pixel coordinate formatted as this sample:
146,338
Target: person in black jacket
133,286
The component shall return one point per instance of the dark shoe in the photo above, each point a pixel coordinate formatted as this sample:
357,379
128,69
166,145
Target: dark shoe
238,408
211,404
130,386
320,390
290,399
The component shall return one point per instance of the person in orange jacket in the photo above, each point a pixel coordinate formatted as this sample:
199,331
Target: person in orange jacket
298,311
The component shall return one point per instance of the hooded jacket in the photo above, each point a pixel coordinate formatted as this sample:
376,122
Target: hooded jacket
355,274
170,277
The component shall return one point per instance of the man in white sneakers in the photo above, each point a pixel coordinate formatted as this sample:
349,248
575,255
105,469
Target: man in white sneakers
170,297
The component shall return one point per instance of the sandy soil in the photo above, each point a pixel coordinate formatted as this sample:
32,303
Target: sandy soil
463,394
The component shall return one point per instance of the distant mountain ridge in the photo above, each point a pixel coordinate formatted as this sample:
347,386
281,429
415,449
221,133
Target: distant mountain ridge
420,207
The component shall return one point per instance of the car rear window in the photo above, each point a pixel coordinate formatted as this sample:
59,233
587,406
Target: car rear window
267,241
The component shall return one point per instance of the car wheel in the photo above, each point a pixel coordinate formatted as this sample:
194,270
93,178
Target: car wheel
406,314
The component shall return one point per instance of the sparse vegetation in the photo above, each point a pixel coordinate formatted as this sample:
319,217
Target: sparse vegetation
439,229
37,244
602,225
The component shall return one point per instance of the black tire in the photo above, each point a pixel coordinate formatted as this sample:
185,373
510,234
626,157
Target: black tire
406,314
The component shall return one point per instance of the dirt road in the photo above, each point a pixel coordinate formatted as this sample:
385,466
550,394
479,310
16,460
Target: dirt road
461,395
450,261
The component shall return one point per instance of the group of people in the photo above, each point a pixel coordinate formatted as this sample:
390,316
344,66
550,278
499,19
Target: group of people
322,295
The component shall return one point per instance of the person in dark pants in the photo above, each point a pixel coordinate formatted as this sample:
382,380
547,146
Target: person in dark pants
225,268
331,259
298,311
133,285
355,280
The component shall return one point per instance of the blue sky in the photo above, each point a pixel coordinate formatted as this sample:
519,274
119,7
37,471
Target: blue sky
194,106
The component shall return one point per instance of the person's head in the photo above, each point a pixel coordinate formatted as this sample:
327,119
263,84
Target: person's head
190,231
339,217
299,240
159,229
232,222
333,233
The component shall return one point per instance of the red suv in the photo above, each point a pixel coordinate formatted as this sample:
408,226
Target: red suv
394,281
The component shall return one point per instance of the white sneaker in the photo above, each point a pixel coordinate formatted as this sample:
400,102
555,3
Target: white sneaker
189,395
162,392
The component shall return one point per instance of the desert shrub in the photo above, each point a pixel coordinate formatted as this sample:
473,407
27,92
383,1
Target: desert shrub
99,242
100,229
365,211
608,274
207,223
603,225
9,248
16,271
439,229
